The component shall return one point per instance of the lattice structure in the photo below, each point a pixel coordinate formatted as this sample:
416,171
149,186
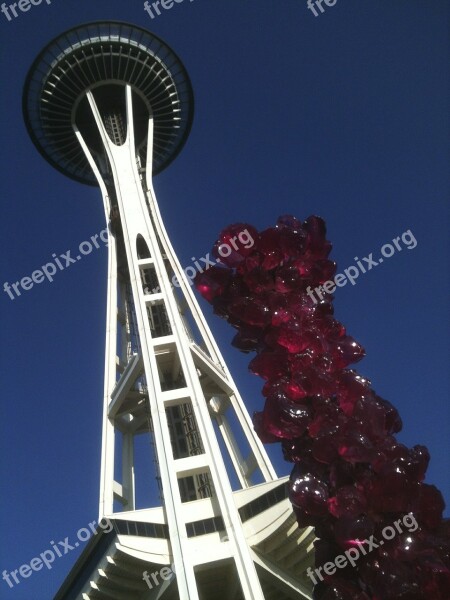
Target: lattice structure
111,104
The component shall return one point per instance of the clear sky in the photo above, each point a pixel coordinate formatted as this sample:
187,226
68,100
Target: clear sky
343,115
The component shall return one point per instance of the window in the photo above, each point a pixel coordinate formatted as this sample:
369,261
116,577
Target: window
263,502
142,248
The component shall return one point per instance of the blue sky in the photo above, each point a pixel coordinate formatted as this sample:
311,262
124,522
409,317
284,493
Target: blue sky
342,115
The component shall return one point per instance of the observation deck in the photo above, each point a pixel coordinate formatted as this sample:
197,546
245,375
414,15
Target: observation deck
104,57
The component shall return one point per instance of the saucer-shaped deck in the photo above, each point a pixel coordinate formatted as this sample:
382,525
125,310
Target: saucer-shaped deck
103,57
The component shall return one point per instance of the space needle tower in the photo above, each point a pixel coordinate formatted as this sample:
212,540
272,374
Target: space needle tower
110,104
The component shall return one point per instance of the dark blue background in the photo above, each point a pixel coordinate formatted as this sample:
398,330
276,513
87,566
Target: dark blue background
343,115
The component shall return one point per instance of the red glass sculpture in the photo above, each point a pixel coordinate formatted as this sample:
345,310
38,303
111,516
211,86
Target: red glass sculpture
351,477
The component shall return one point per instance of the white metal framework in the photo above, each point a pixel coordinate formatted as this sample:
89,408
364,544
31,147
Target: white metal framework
165,378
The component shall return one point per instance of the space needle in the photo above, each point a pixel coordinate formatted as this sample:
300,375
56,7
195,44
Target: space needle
111,105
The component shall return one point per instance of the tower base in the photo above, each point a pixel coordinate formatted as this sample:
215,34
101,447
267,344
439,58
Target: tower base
113,565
